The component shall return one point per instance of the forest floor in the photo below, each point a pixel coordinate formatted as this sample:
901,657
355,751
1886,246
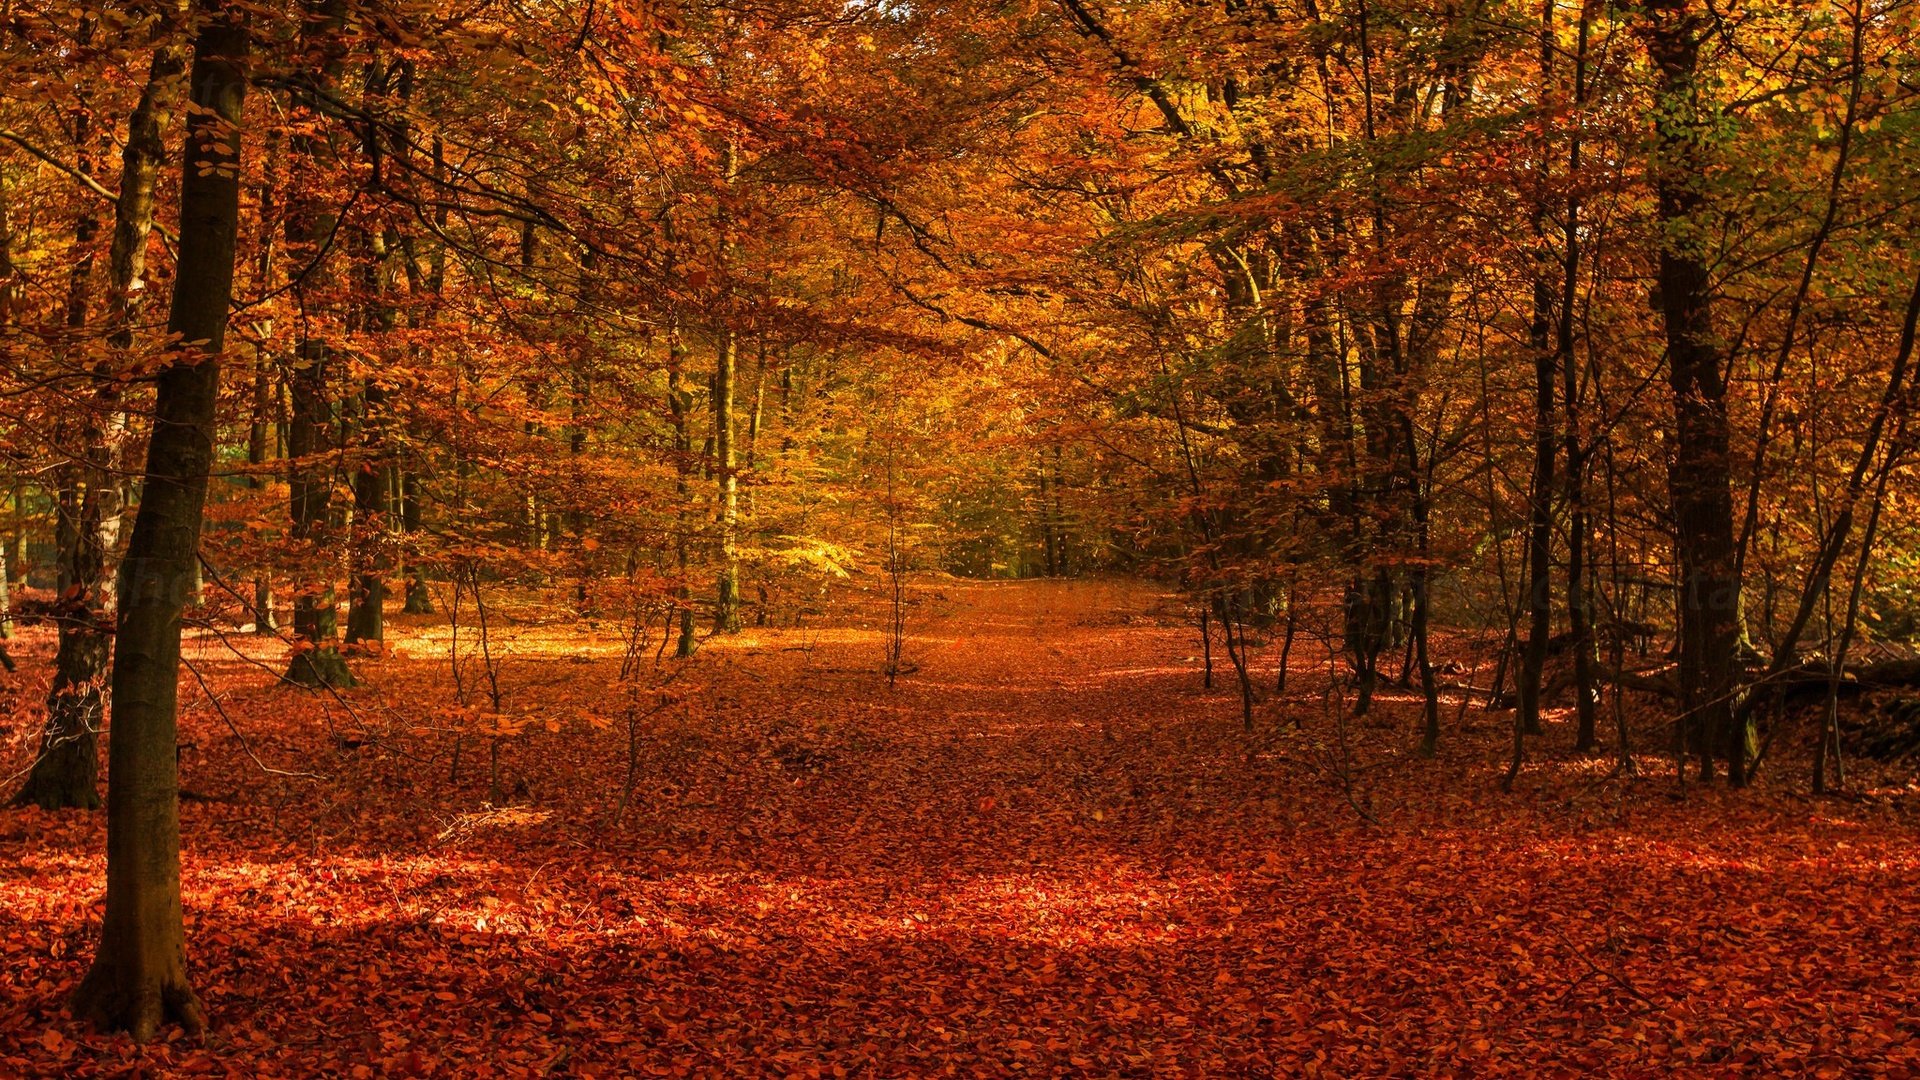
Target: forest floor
1047,851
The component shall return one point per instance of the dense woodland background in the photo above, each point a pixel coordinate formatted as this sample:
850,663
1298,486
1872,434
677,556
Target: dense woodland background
1550,360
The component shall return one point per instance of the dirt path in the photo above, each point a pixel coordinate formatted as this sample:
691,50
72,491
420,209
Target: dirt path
1045,852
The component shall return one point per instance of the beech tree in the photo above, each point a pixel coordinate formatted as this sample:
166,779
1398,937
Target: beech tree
138,979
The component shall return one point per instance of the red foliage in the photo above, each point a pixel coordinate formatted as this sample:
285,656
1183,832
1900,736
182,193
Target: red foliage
1047,852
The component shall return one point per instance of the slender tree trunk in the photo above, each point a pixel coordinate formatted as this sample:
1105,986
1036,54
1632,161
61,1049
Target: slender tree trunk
579,395
259,451
1049,542
17,561
313,418
373,473
367,595
138,980
678,405
1539,607
262,436
1533,657
1579,616
65,769
726,603
1419,574
311,429
92,493
10,294
762,612
419,601
1286,639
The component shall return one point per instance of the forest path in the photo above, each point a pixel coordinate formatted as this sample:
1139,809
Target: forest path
1047,851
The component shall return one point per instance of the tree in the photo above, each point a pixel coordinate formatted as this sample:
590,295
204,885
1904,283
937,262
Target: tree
1699,477
91,496
313,427
138,980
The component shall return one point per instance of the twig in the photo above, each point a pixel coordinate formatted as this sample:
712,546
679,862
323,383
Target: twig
214,699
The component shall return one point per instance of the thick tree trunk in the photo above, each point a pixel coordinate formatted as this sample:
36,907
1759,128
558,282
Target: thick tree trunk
1700,469
138,980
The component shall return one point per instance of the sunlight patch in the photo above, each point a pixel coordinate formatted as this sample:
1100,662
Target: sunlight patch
465,826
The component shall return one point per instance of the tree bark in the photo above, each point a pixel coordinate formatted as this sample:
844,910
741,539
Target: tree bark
1579,615
726,601
367,592
419,601
1533,657
138,980
373,474
262,437
678,406
259,443
1699,473
64,770
91,493
313,419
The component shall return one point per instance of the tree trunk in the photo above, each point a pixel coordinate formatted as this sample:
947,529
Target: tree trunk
262,436
1050,543
1533,658
367,593
10,293
373,474
64,770
310,435
1579,615
678,405
419,601
1699,472
138,980
91,494
312,421
726,601
17,562
259,442
1421,615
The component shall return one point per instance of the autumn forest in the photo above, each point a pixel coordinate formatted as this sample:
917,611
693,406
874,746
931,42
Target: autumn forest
1047,537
